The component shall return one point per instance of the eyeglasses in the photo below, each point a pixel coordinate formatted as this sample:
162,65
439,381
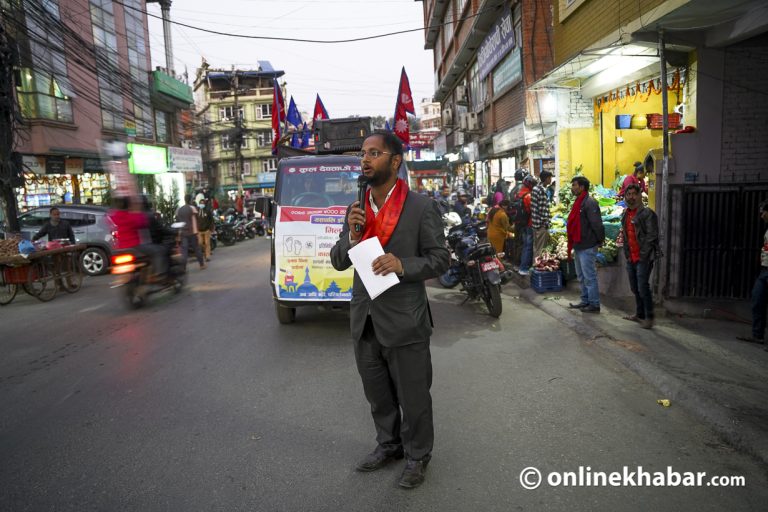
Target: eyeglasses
373,153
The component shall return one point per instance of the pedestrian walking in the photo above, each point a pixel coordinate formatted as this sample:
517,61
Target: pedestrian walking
760,288
585,234
204,226
540,215
188,215
391,333
640,228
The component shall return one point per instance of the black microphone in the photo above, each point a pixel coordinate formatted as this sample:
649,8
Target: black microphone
362,187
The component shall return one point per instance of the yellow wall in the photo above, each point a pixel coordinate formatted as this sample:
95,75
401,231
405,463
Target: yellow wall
578,147
581,146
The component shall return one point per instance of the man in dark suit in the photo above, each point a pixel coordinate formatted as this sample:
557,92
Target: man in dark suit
391,333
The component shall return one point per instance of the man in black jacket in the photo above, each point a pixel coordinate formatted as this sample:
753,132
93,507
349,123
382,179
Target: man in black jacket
56,228
391,332
640,228
585,234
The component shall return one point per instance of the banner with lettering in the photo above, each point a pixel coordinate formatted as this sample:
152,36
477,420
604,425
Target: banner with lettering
303,240
498,42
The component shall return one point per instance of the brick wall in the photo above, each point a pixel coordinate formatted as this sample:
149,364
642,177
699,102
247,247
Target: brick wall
538,46
592,21
745,111
581,112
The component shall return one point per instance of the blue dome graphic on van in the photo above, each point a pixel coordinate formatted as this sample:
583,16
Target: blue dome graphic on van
308,290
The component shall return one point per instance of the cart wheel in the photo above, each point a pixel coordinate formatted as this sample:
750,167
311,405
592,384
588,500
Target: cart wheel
7,293
72,276
41,282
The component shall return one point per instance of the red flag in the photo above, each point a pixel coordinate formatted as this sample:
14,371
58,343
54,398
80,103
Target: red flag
401,128
278,114
320,112
402,107
404,96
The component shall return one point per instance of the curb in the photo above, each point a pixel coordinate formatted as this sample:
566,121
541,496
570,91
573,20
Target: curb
743,437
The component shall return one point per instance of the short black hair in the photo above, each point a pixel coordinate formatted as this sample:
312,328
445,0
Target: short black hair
53,208
582,181
632,186
545,174
764,206
391,142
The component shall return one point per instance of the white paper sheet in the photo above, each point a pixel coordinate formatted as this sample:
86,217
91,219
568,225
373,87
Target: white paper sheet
362,256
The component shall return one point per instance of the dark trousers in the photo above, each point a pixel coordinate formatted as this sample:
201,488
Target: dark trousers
759,302
395,379
188,241
639,282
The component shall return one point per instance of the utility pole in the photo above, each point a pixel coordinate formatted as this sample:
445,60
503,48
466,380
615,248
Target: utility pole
10,162
238,135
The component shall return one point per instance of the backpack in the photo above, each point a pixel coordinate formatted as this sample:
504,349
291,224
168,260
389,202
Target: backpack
517,213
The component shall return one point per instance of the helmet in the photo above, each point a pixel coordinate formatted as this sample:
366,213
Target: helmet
530,181
519,175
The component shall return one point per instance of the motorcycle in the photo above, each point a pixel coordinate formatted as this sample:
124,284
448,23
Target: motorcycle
225,231
133,272
476,265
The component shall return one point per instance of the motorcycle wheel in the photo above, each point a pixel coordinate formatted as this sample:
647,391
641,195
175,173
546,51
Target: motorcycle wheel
492,299
228,238
250,233
448,279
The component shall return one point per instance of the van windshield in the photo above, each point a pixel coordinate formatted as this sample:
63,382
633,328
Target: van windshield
318,184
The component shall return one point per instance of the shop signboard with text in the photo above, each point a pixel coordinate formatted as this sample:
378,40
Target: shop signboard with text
185,160
498,42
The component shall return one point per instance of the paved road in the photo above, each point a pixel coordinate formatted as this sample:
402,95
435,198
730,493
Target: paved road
203,401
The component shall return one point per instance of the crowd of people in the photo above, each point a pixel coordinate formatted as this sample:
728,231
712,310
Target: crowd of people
519,223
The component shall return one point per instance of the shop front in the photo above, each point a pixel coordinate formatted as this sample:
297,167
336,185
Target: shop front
56,179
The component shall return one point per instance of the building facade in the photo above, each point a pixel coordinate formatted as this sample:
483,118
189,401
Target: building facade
612,98
84,78
234,113
487,53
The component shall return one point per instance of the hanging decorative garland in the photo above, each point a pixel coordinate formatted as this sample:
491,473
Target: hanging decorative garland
640,92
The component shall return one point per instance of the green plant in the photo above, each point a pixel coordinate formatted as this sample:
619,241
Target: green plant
167,203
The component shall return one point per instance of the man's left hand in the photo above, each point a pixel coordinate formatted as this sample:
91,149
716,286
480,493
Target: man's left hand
386,264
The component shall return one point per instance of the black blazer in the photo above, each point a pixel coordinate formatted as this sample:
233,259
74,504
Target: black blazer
401,314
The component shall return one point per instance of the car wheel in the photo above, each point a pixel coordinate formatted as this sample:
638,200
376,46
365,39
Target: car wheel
93,261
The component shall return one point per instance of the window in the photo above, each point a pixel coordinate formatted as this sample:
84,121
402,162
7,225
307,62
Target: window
246,168
264,111
139,69
460,5
44,89
477,88
447,27
232,169
227,113
269,164
264,139
110,84
225,145
161,126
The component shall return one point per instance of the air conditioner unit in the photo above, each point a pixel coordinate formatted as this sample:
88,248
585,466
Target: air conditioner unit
463,121
461,94
447,117
458,138
473,123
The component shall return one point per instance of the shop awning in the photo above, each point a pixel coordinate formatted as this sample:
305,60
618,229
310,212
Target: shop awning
250,186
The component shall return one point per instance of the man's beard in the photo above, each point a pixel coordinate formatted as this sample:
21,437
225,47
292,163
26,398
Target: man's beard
379,178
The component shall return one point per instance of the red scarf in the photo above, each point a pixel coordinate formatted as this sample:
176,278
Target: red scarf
573,227
383,224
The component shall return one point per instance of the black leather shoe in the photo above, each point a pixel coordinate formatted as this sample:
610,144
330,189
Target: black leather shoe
377,459
580,305
413,474
591,309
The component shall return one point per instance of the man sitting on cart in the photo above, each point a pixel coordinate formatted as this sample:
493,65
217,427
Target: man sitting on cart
56,228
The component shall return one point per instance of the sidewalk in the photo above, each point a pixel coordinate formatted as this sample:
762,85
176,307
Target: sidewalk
696,363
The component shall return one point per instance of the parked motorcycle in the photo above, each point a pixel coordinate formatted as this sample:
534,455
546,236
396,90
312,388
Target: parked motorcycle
475,265
225,231
134,273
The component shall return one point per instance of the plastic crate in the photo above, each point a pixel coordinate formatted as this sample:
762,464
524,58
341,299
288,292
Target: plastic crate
16,275
547,281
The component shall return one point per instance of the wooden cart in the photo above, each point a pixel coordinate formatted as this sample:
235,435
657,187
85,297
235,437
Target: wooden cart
41,274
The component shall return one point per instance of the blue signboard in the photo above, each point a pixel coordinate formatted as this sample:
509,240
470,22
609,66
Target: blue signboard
496,44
